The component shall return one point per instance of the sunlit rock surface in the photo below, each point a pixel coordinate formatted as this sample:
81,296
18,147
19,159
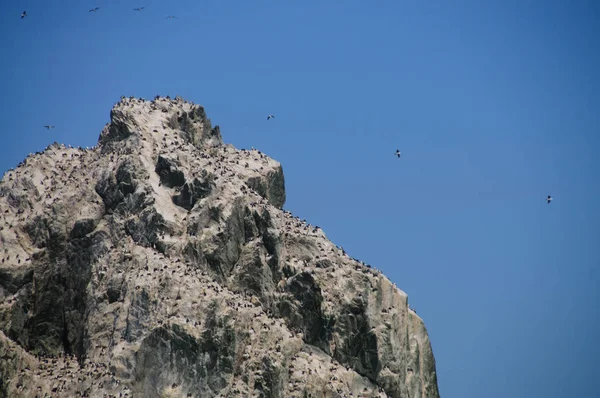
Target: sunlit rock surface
160,264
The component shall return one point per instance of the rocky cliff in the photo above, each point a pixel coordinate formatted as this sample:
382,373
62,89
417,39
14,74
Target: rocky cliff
160,264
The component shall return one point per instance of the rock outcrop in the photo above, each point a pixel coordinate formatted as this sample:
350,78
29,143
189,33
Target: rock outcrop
160,264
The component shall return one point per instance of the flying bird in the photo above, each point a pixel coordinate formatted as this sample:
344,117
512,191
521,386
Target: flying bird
171,17
49,127
549,199
94,9
270,117
139,9
24,14
397,153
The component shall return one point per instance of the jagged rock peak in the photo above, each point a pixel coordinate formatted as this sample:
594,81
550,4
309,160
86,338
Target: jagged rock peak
160,263
136,116
171,126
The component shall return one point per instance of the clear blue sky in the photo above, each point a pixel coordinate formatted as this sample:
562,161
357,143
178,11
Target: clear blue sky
494,105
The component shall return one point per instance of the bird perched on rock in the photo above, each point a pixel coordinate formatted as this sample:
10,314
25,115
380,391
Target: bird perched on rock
94,9
270,117
549,199
49,127
397,153
24,14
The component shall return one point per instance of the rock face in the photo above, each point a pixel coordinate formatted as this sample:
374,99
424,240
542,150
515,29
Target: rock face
160,264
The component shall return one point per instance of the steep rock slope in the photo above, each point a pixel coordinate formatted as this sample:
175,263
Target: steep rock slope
160,264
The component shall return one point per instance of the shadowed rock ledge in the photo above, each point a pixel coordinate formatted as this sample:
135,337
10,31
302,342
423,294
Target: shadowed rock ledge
160,264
